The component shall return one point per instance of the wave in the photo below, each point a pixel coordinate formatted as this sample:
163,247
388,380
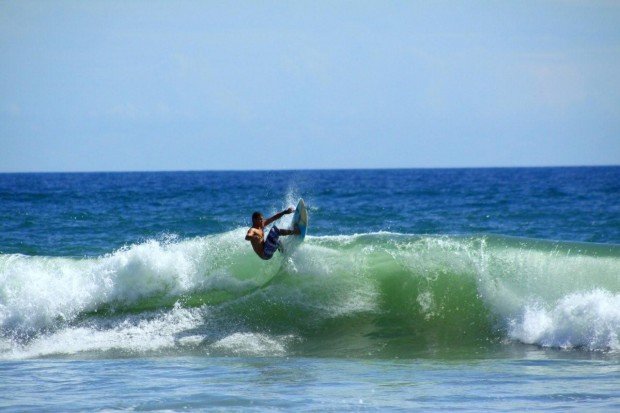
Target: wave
377,293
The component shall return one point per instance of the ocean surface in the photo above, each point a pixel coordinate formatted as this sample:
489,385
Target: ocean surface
445,289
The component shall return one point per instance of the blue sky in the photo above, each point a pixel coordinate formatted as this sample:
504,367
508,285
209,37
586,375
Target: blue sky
181,85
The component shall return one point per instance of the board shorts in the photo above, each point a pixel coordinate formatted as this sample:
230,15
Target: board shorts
271,243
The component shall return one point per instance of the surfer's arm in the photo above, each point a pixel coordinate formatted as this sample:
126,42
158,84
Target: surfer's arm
278,216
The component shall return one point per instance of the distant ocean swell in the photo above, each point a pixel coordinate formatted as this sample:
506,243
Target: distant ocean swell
336,295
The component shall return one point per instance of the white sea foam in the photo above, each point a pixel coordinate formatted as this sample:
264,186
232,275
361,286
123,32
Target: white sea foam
253,344
553,298
126,336
40,292
589,320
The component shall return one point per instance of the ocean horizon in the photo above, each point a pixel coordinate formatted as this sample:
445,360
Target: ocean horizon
378,168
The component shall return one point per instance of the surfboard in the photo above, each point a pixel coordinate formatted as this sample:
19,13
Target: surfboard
300,219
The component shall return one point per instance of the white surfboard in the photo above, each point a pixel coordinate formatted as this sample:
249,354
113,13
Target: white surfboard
300,219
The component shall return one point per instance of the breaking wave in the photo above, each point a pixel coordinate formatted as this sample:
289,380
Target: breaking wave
377,293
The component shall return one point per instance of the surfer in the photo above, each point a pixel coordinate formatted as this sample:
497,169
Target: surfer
256,234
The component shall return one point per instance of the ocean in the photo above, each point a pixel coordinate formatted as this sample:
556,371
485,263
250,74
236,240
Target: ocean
416,289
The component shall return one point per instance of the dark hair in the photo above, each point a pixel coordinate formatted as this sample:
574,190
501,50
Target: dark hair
256,215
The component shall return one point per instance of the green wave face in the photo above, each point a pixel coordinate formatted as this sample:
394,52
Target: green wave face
427,291
377,294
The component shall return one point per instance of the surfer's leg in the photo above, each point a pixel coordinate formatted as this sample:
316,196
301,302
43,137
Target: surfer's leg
271,243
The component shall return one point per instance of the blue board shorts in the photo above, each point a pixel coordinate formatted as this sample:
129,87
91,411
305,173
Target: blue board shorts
271,243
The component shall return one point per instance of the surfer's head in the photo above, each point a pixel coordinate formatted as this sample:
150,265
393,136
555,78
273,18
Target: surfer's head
257,219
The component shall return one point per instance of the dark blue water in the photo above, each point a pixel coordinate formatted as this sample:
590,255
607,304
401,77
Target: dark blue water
463,289
95,213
